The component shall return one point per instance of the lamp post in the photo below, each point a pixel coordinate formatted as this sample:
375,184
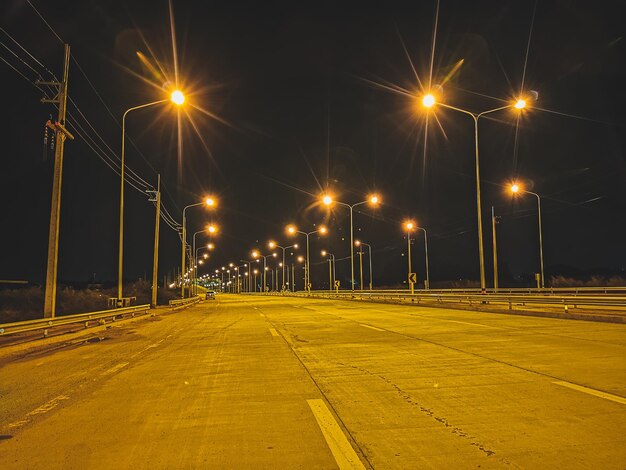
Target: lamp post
273,245
427,281
331,269
428,101
211,229
409,226
177,98
256,254
291,229
369,249
209,202
328,200
516,188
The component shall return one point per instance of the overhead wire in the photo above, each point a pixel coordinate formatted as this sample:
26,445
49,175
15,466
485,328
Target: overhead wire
110,160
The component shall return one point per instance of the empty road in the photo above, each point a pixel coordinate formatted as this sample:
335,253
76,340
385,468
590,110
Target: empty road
281,382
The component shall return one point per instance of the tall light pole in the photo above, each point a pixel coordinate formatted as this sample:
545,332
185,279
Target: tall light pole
494,222
211,229
429,101
516,188
209,202
369,249
427,281
374,200
177,98
331,269
256,254
409,227
292,230
273,245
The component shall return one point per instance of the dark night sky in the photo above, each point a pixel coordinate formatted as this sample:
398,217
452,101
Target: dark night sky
290,83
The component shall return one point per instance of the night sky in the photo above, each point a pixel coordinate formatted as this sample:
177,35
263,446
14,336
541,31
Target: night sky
297,102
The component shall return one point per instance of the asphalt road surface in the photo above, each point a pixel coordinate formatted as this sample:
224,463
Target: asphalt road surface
280,382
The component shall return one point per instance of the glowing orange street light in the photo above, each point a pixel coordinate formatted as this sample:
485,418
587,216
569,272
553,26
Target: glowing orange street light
374,199
49,302
208,202
515,188
428,101
212,228
273,245
177,97
307,273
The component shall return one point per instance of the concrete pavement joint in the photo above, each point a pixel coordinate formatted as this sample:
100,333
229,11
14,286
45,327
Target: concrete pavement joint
326,400
429,412
498,361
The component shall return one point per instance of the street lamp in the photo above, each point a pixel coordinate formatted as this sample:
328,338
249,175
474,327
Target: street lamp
374,200
369,249
428,101
273,245
209,202
292,230
179,94
515,189
211,229
331,269
256,254
409,227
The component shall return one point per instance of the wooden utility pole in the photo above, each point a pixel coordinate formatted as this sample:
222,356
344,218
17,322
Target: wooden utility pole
155,262
55,212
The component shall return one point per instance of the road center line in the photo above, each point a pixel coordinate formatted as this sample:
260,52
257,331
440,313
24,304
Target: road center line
115,368
371,327
274,332
42,409
341,449
591,391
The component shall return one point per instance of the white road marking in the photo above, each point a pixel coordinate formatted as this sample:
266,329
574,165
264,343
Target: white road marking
115,368
341,449
274,332
42,409
591,391
371,327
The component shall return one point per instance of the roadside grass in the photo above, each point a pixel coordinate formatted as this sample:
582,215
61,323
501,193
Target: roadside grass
27,303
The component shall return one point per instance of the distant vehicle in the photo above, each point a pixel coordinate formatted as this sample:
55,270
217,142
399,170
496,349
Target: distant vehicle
210,295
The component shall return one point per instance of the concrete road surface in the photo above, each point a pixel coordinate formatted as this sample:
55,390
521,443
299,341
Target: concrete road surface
285,383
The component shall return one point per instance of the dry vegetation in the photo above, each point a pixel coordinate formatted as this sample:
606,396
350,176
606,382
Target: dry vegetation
27,303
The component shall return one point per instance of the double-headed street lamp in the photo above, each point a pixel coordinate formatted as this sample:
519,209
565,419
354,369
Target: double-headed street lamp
256,254
428,101
209,202
292,230
369,249
177,98
515,189
273,245
331,269
374,200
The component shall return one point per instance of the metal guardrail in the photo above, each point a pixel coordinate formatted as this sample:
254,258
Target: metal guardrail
507,290
181,303
476,299
47,323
